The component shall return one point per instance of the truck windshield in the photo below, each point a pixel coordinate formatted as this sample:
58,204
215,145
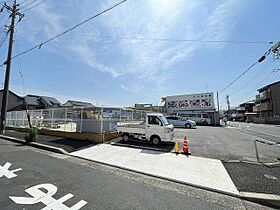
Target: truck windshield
163,120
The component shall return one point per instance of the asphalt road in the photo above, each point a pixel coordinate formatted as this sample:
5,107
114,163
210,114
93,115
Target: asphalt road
227,143
48,177
269,132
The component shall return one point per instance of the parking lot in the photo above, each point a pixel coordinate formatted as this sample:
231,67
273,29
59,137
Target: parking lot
224,143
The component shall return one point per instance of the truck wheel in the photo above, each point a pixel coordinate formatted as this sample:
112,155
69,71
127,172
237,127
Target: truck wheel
204,123
155,140
125,137
188,125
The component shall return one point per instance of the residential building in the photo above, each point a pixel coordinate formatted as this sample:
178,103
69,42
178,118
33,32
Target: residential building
78,104
268,101
244,112
15,102
40,102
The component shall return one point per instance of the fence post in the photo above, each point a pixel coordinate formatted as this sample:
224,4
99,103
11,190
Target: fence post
65,120
120,116
257,151
81,124
41,118
52,118
16,118
101,124
22,124
31,117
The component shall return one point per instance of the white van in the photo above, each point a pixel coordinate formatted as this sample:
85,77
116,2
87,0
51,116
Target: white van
199,118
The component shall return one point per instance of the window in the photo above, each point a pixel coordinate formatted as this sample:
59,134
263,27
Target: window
198,115
192,115
153,120
205,115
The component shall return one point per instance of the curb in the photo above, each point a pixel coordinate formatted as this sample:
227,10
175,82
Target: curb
35,144
272,200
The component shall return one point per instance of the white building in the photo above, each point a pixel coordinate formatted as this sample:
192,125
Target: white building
200,105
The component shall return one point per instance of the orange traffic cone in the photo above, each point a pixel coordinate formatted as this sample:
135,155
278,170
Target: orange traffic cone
185,149
176,148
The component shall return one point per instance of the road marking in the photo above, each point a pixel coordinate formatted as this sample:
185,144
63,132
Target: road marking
46,198
4,171
270,176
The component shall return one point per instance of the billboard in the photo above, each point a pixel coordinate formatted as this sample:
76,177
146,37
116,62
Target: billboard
200,101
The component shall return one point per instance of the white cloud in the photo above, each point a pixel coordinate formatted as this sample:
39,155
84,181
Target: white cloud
145,62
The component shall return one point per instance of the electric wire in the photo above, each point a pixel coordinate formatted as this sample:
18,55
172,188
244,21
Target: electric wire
174,40
66,31
39,3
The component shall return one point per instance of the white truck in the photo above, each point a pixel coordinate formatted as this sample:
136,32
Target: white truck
155,128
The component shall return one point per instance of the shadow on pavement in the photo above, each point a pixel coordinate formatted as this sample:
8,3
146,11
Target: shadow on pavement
142,144
70,145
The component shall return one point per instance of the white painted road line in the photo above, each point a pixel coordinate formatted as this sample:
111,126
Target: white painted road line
4,171
38,196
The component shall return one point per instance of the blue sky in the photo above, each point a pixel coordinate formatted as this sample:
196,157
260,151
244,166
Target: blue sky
86,65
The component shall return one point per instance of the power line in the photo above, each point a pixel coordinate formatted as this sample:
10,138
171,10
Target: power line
175,40
237,78
4,40
236,91
41,2
26,5
275,50
66,31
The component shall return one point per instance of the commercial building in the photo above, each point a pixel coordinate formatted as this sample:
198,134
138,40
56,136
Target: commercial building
268,101
200,105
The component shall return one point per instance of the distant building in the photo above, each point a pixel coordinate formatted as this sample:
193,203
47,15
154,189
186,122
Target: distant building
77,104
199,105
40,102
15,102
244,112
268,101
146,107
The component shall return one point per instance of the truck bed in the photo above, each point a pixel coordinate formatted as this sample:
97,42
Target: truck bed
132,128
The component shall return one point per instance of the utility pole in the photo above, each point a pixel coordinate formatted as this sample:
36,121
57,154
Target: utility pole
228,106
218,103
14,12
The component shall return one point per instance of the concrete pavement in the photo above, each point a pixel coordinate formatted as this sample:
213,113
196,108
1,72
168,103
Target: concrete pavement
202,172
102,187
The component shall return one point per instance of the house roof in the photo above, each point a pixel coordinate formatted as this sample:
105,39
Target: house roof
79,103
11,92
31,100
50,101
36,100
267,86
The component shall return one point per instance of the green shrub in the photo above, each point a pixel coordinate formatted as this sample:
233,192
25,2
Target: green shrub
32,135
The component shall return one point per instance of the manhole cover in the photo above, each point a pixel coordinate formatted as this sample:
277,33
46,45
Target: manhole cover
270,176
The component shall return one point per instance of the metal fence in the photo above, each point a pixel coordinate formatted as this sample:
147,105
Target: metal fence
86,120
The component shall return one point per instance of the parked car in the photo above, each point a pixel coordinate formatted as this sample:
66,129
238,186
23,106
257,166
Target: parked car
180,122
199,118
